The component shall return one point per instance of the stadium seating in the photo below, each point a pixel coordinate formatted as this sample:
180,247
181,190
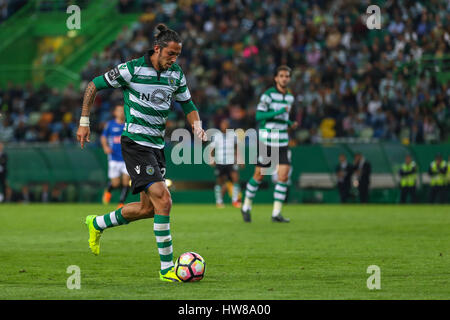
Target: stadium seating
229,54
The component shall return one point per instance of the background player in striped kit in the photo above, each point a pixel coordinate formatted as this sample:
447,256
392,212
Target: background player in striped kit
117,171
288,182
272,114
224,159
148,84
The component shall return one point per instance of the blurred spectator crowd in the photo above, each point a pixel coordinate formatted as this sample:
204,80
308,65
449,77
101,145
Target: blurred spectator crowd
9,7
348,81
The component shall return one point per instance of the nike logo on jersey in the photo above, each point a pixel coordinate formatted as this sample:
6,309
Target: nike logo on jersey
138,169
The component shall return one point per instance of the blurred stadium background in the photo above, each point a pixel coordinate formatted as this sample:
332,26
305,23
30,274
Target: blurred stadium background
383,92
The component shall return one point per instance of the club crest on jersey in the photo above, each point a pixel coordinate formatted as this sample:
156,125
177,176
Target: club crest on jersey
172,81
150,170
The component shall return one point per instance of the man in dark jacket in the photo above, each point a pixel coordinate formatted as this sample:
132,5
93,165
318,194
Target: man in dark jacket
363,169
344,171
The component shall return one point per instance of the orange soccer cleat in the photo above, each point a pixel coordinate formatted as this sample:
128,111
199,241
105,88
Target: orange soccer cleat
237,204
106,197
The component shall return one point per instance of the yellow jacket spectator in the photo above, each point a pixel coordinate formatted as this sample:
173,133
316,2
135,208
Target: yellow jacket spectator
438,174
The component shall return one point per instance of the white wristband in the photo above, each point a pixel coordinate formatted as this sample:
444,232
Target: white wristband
84,121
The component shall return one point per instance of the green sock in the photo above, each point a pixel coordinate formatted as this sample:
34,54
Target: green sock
252,187
280,191
161,228
250,192
109,220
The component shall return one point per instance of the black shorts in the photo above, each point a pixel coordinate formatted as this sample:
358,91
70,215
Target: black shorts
264,161
225,170
145,165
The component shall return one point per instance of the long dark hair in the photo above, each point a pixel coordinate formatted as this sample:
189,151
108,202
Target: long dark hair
164,35
283,68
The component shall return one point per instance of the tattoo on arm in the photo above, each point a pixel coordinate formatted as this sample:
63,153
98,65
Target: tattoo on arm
88,100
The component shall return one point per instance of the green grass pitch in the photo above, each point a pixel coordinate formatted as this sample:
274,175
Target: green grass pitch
322,254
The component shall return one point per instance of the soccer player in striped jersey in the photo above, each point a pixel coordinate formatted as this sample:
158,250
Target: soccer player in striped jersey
272,113
288,182
225,162
117,171
148,83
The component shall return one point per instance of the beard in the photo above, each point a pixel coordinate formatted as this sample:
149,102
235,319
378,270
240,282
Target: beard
160,65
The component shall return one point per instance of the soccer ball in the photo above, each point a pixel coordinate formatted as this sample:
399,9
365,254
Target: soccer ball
190,266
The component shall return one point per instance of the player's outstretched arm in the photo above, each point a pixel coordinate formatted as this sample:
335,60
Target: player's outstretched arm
194,120
83,133
192,116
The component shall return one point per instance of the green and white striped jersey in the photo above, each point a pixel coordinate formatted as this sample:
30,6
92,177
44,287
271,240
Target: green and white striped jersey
147,98
274,131
224,147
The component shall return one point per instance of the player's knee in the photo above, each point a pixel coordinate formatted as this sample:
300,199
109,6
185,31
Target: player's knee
257,177
115,184
164,200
